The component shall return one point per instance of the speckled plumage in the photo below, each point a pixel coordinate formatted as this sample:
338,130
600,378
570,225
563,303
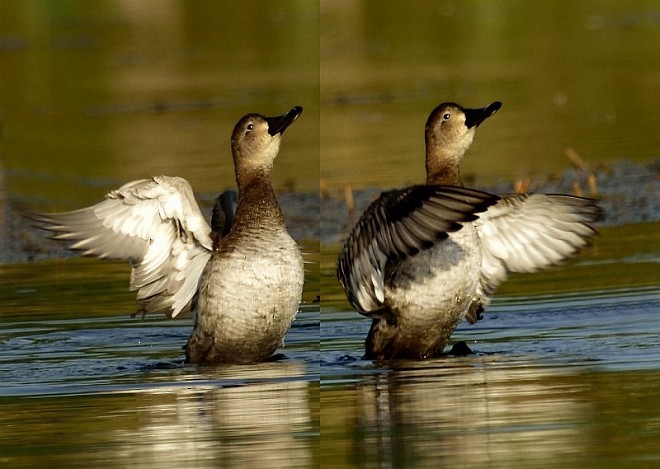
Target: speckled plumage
247,300
428,295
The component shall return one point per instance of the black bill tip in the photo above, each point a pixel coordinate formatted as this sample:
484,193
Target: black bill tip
474,117
277,125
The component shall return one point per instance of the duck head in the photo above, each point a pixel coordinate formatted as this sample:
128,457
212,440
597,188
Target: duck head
449,133
255,141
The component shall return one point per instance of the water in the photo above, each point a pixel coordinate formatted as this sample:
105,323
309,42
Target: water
495,411
548,384
93,94
565,368
86,384
236,416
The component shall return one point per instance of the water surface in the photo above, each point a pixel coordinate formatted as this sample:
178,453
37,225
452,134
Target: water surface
565,371
83,383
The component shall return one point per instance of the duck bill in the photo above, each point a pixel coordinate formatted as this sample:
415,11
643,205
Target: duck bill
474,117
277,125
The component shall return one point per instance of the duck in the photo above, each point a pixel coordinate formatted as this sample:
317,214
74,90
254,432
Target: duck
242,278
422,258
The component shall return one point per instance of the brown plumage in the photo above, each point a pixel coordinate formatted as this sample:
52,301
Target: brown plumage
422,258
245,278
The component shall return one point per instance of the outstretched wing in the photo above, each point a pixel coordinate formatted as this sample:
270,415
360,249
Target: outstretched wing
155,224
397,225
528,233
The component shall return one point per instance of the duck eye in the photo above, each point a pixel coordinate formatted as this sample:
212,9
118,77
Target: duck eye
250,127
446,116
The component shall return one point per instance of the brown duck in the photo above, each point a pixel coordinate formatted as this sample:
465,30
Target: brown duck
243,282
420,259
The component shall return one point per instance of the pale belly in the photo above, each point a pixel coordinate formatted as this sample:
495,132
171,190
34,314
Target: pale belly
247,301
430,293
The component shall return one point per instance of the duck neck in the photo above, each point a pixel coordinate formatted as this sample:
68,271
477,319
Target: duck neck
257,204
442,169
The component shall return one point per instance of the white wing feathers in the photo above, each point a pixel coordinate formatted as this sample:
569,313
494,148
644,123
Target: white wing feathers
157,225
528,233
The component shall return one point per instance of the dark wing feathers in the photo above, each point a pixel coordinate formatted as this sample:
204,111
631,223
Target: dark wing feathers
518,233
398,225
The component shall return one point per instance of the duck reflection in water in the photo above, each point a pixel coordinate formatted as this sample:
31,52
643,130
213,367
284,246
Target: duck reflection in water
479,413
231,416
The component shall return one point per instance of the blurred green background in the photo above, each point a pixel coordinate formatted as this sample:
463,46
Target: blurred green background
97,93
584,75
